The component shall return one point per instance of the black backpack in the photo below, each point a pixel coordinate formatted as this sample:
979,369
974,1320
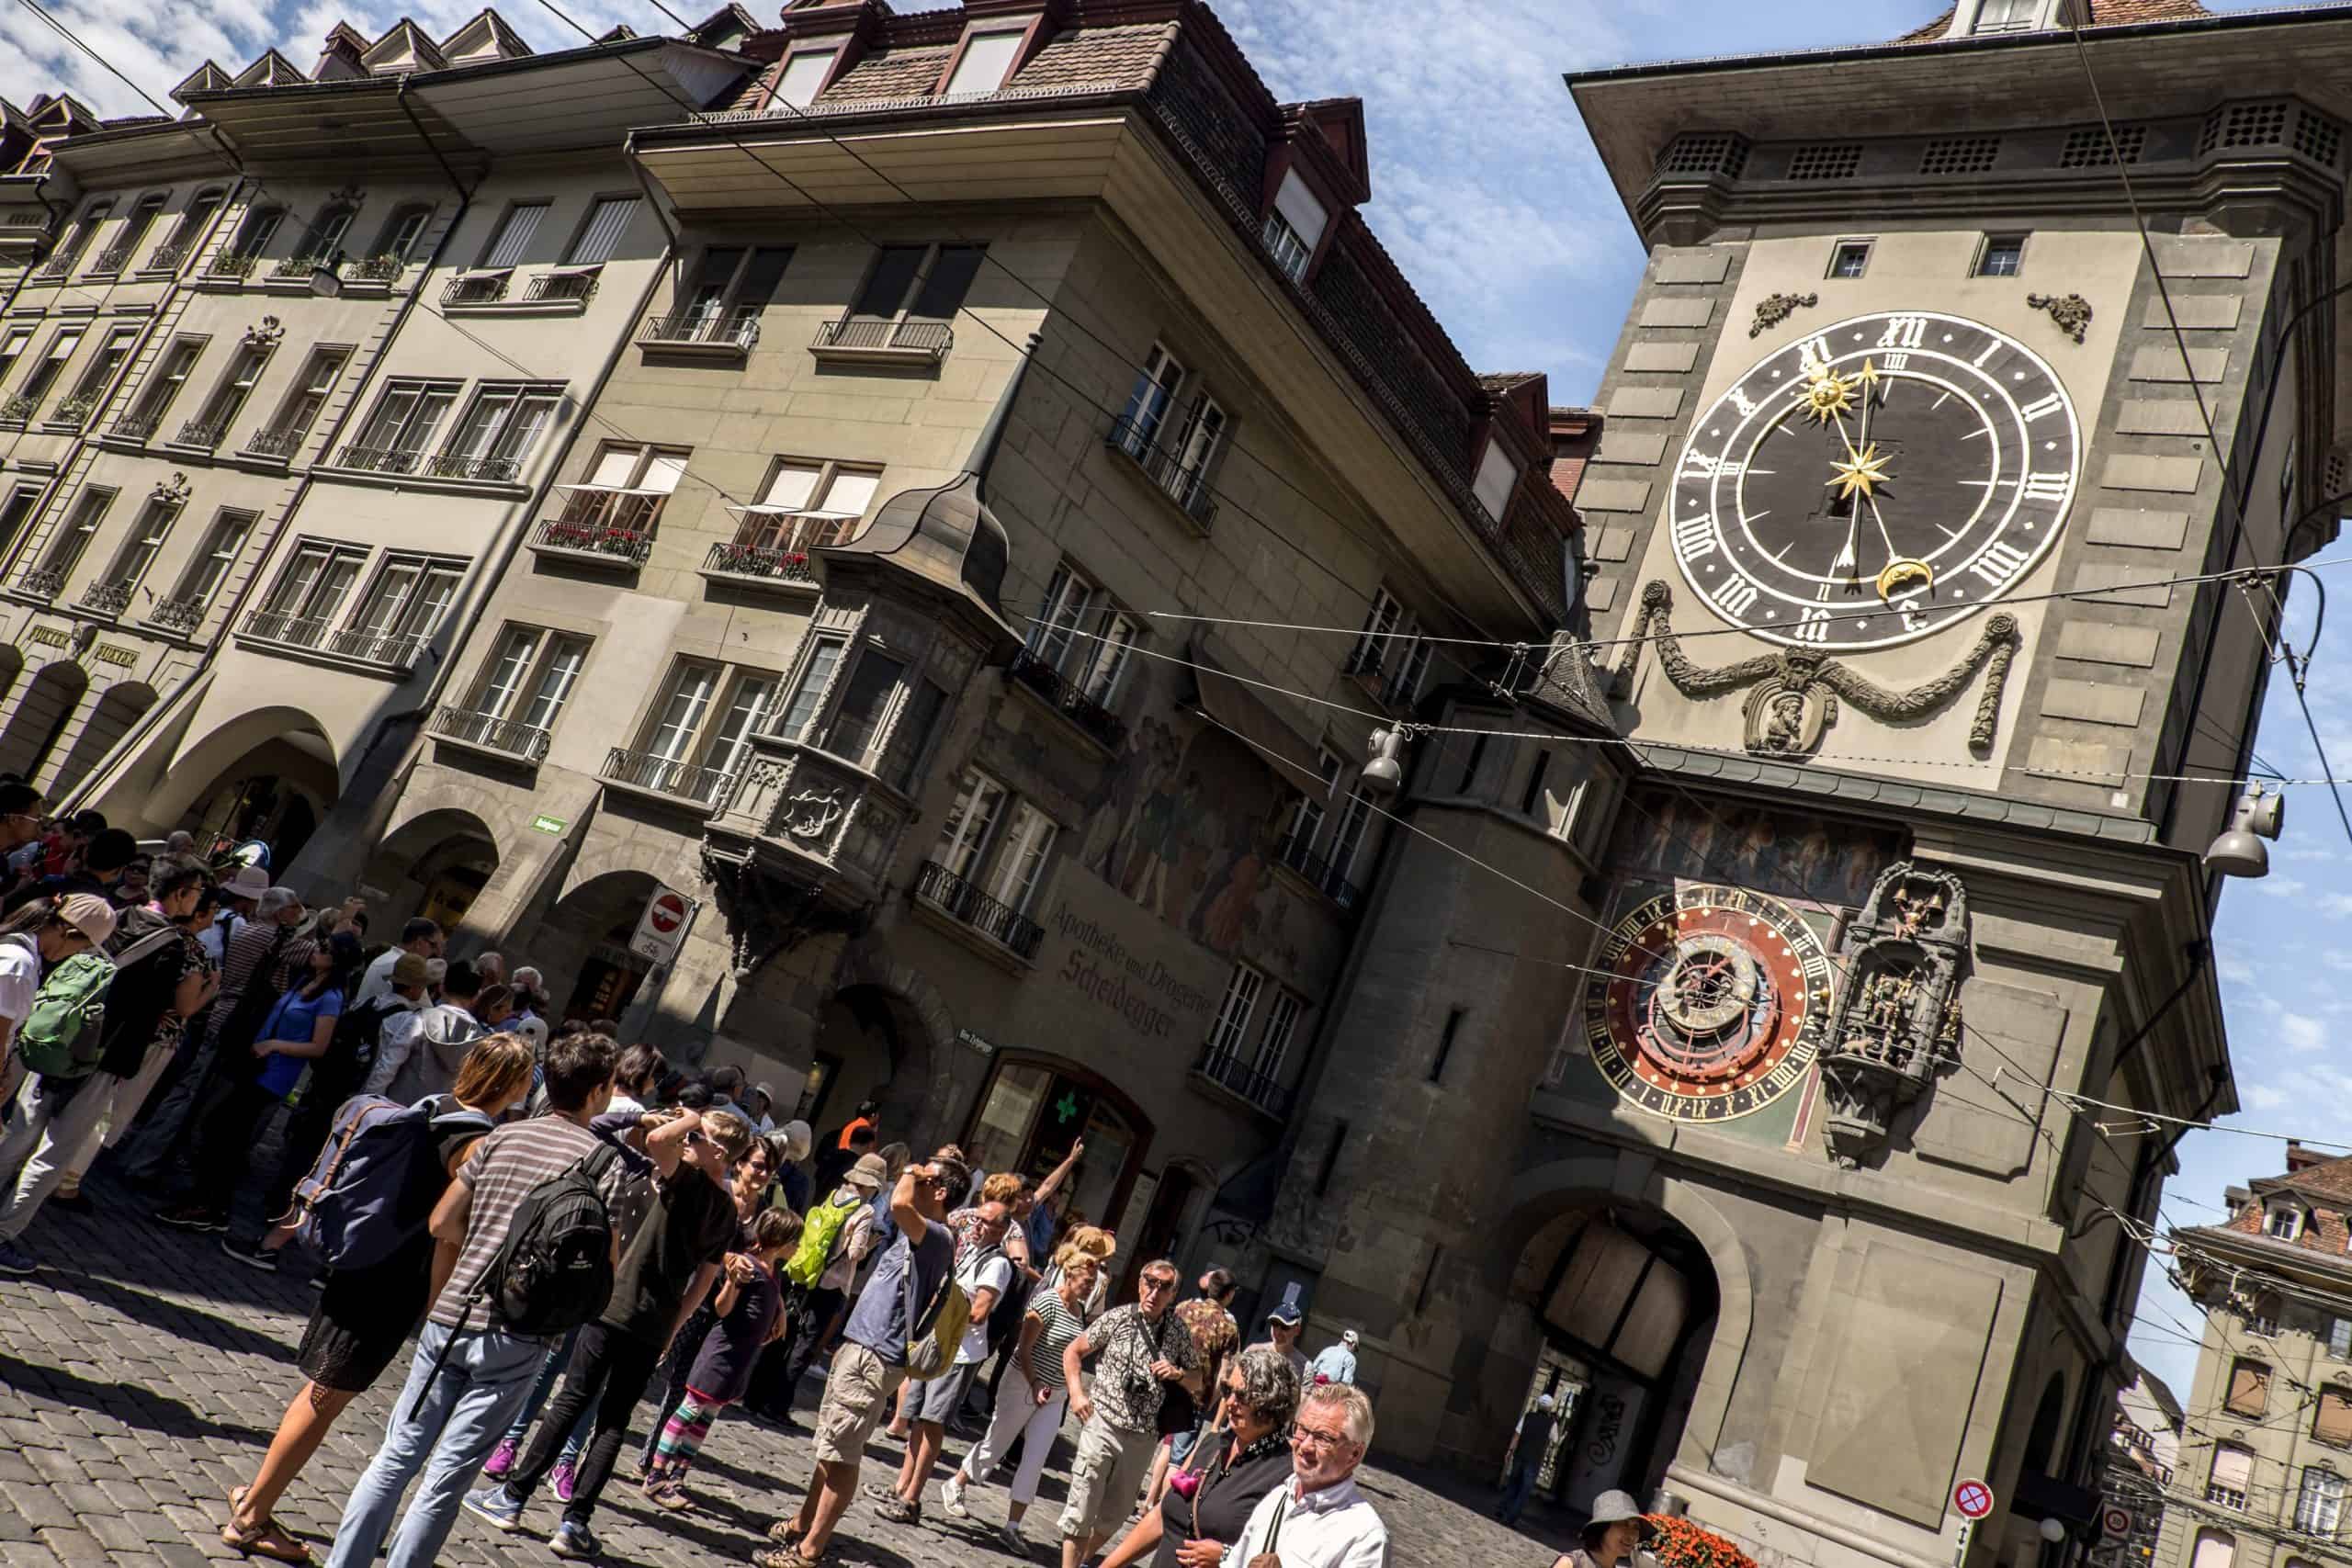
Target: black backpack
556,1270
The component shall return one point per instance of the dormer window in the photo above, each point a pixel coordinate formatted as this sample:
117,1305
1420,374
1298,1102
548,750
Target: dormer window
1295,225
987,60
803,76
2284,1222
2008,16
1497,477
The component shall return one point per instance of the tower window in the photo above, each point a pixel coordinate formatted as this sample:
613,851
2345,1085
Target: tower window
2003,256
1850,259
2008,16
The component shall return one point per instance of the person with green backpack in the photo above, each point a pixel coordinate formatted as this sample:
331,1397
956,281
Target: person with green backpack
56,1045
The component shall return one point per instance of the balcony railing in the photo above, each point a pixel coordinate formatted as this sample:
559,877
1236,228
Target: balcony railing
768,565
17,408
177,615
301,266
1074,704
114,258
399,649
549,287
665,775
736,329
165,258
279,443
136,426
43,582
235,266
379,459
74,410
865,335
456,465
205,432
958,899
526,741
1318,873
280,625
605,541
107,598
377,269
1184,483
1230,1072
483,288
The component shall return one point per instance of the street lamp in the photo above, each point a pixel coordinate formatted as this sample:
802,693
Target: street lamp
2241,852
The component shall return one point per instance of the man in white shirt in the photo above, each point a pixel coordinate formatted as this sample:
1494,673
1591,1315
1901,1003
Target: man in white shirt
420,936
1336,1363
1320,1517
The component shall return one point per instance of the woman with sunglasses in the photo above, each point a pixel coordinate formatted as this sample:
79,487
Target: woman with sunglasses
1211,1497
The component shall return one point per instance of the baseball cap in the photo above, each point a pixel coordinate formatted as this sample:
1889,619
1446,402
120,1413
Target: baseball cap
89,914
1349,1337
868,1172
1286,1314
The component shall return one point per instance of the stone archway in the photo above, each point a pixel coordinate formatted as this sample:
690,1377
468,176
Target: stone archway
434,864
268,773
117,708
43,708
581,945
918,1086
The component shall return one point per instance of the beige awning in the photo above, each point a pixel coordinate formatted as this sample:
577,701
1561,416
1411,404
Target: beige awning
1244,706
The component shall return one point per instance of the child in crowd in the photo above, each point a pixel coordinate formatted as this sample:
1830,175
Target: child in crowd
750,1308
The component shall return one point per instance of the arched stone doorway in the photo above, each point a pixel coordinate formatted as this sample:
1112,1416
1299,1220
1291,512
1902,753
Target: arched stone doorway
111,716
436,865
43,709
1031,1111
581,945
872,1043
1615,1308
267,774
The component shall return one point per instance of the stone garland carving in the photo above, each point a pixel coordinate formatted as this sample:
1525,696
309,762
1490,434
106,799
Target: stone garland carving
1774,309
2071,311
1898,1026
265,334
172,493
1796,693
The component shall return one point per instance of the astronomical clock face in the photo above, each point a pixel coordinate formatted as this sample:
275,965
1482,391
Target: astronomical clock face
1876,482
1714,1004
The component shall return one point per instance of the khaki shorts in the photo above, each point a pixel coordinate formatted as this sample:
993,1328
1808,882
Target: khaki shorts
857,1394
1105,1479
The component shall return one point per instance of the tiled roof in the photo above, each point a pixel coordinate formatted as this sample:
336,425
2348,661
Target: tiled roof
1506,380
2104,14
1119,56
892,73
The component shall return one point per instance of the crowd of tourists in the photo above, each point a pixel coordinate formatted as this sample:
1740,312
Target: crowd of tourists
584,1248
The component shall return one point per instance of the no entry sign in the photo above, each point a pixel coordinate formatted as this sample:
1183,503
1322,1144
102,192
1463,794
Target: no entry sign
662,926
1972,1498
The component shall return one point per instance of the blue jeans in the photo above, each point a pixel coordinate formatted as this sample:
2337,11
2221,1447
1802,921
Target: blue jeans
549,1371
462,1412
1516,1491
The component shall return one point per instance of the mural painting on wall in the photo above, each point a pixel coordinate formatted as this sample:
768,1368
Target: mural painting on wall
1186,823
1793,857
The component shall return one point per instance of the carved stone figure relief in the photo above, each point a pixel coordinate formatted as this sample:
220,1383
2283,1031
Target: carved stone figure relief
1898,1022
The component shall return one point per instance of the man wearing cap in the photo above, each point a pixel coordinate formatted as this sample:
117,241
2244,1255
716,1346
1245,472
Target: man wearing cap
1614,1537
420,938
1337,1363
1283,1325
238,896
1536,1430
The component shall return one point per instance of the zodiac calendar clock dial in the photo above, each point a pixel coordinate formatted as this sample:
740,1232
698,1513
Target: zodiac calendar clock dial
1712,1003
1875,482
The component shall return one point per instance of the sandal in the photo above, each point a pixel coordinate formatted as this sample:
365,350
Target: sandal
784,1557
269,1538
785,1532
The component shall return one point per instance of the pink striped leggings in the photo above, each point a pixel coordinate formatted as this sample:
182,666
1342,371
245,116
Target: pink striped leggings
688,1425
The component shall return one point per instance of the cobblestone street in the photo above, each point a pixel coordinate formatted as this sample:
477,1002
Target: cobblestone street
141,1373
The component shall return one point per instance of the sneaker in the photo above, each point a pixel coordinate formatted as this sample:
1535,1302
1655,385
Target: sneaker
572,1539
951,1496
669,1494
14,1259
1015,1542
502,1458
497,1504
192,1217
567,1480
253,1256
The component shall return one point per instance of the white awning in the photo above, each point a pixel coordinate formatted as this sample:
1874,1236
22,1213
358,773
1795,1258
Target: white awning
615,489
484,271
766,508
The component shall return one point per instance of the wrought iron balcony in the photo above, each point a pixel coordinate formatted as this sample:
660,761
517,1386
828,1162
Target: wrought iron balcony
1186,484
379,459
666,775
177,615
456,465
764,566
43,582
952,896
278,443
165,258
526,742
107,598
605,542
74,410
280,625
1230,1072
114,258
205,432
302,267
733,330
376,647
385,268
1065,696
1318,873
854,336
231,265
136,426
481,288
17,408
552,286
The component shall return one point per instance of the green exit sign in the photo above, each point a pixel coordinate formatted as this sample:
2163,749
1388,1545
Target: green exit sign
548,824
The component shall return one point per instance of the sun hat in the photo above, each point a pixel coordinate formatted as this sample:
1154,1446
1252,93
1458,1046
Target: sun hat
1612,1508
89,914
868,1172
798,1137
408,969
250,881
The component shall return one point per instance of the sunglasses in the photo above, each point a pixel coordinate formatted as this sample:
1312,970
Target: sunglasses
1159,1287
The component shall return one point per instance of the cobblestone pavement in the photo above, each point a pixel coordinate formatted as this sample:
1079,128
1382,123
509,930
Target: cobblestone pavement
143,1373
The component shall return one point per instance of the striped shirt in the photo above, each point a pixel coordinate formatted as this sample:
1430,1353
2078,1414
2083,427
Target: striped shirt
1056,1326
502,1172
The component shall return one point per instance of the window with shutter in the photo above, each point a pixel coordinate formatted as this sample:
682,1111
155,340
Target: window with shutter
2249,1389
2232,1475
2333,1423
2215,1548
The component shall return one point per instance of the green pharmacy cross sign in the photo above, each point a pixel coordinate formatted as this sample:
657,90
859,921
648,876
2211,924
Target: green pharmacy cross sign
1066,1108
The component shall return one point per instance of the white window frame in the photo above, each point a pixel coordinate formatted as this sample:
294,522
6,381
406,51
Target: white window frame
313,388
110,358
172,368
2283,1222
216,557
1231,1025
236,388
545,665
2005,16
81,525
918,284
773,527
971,72
321,596
802,77
408,430
403,227
1497,479
1295,223
396,606
1274,1040
818,672
1349,830
713,298
2001,240
136,556
502,424
1840,249
627,487
2319,1502
1158,392
64,344
970,827
1024,850
14,341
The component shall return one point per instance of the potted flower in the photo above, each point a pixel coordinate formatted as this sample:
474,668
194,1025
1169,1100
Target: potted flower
1679,1543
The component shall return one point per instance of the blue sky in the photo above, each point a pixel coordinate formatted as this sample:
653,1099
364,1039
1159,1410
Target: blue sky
1484,188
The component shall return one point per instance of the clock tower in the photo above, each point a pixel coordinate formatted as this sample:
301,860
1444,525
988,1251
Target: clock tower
1978,387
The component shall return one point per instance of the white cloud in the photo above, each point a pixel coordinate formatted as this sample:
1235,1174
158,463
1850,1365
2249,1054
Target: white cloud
2279,887
2262,1097
2301,1031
